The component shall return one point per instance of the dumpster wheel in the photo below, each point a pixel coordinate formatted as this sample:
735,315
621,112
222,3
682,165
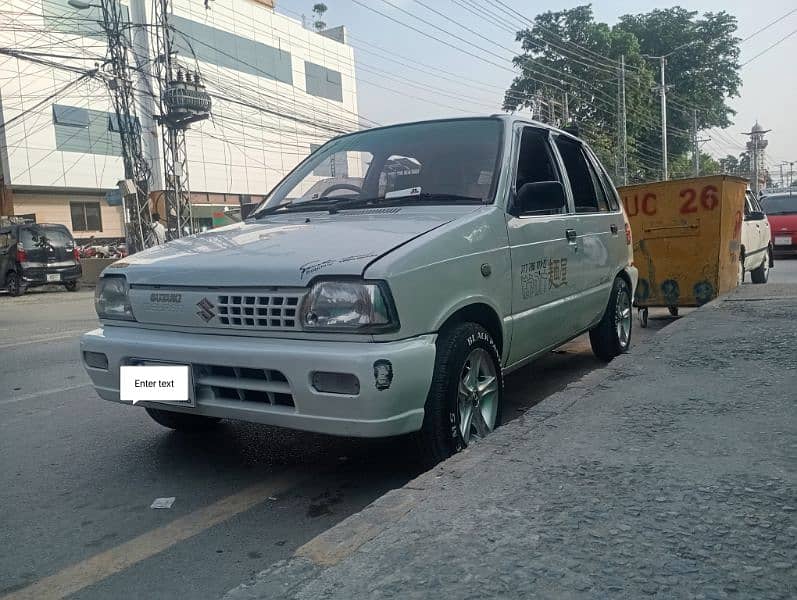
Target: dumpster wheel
673,310
643,317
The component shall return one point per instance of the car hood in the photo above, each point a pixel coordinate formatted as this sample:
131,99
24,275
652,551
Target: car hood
284,250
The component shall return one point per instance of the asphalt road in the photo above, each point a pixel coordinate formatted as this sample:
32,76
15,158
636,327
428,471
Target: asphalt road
78,474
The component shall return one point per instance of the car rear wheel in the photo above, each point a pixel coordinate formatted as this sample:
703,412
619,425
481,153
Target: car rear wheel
761,273
612,336
464,400
14,284
182,421
72,286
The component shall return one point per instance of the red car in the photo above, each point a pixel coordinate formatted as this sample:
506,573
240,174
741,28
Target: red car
781,210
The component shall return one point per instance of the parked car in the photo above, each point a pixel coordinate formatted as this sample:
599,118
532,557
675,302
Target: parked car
36,254
781,210
756,255
471,247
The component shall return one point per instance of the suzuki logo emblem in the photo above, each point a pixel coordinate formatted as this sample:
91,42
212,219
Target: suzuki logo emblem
206,310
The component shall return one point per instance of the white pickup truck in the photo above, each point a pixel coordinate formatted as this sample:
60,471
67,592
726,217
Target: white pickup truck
384,287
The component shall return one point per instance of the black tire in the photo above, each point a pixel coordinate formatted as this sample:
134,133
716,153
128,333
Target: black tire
440,435
673,310
72,286
643,317
604,338
14,284
182,421
761,273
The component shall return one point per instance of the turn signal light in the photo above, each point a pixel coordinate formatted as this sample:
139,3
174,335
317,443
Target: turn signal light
336,383
76,254
21,256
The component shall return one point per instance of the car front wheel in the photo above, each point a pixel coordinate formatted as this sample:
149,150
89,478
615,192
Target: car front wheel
72,286
612,336
185,422
464,401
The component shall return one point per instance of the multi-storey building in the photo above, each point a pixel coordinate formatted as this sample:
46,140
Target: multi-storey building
278,90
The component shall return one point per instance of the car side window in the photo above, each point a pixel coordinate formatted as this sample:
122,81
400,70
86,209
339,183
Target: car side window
583,182
608,185
748,204
536,165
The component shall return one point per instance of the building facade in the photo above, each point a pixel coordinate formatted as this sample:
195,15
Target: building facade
278,90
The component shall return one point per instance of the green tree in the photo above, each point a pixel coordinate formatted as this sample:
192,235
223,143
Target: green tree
703,67
683,166
318,14
555,74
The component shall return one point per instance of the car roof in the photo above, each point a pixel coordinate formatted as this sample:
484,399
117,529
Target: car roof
508,119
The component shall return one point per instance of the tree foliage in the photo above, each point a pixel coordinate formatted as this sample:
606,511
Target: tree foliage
567,54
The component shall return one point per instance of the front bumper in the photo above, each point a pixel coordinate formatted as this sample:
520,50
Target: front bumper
376,411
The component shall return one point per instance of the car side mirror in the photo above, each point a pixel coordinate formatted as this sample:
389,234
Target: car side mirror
755,216
540,197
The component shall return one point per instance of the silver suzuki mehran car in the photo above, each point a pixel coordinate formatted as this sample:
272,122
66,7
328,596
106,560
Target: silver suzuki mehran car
384,287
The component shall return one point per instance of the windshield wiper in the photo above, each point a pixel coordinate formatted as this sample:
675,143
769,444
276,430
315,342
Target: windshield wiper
314,203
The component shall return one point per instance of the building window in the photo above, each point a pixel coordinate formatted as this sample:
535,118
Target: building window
323,82
86,131
225,49
85,216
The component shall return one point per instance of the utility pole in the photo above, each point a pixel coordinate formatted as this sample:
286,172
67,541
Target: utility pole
623,122
696,141
183,100
663,94
566,110
137,218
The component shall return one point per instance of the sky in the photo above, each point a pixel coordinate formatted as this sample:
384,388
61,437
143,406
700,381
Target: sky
390,92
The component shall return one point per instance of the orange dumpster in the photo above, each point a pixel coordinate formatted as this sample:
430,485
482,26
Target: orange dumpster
687,238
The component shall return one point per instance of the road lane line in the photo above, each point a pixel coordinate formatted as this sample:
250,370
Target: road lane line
100,566
44,393
41,339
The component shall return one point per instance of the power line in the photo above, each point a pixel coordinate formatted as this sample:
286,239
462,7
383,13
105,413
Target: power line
767,49
770,24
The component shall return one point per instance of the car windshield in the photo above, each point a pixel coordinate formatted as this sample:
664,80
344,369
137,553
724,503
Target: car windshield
432,162
42,237
779,204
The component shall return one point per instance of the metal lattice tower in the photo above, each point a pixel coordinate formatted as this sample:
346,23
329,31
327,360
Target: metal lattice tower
183,100
138,220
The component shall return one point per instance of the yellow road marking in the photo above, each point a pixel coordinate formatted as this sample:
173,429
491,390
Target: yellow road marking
100,566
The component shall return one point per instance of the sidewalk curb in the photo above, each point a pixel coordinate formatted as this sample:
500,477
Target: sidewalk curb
341,541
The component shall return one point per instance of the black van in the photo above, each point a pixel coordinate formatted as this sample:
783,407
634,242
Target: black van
37,254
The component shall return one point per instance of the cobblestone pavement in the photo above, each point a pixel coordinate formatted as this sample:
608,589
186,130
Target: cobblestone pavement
669,474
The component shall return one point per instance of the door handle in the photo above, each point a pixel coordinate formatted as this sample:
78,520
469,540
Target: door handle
613,229
571,235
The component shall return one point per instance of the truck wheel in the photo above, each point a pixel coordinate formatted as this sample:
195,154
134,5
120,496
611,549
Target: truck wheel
14,284
612,336
182,421
761,273
464,401
72,286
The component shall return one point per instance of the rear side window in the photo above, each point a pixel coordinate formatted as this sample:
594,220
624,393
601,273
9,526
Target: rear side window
608,185
588,194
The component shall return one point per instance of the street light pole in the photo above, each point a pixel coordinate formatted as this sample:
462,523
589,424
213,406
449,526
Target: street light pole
663,94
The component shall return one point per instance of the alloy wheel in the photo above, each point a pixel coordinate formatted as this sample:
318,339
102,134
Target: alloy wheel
622,316
477,397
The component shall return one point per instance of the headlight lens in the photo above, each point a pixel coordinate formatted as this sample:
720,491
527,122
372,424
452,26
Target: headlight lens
348,306
111,300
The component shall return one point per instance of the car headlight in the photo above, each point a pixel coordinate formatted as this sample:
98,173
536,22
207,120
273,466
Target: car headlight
111,300
349,306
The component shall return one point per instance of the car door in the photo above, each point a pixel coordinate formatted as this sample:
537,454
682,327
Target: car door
751,234
764,229
544,260
600,232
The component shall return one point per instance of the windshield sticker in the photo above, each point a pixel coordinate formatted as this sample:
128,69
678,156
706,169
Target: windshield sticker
538,277
485,177
414,191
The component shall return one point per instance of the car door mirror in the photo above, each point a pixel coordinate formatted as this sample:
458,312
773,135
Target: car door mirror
755,216
540,198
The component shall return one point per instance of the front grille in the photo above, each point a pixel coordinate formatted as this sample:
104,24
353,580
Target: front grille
265,386
274,312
